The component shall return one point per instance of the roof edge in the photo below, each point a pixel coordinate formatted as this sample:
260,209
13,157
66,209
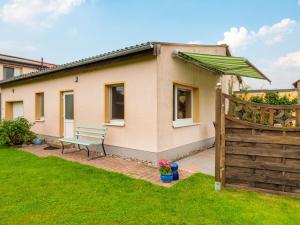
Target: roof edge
87,61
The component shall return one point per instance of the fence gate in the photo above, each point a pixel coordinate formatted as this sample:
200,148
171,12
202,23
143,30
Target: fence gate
257,145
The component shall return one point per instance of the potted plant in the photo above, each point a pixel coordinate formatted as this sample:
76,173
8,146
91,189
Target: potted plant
165,170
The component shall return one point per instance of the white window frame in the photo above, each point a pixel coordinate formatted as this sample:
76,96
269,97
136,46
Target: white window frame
16,74
117,122
182,122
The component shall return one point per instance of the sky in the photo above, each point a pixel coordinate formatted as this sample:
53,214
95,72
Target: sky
265,32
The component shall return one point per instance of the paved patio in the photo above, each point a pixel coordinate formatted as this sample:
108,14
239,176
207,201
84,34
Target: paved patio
201,162
111,163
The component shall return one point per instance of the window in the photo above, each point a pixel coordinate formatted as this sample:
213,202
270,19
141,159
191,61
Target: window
13,110
39,106
185,105
10,72
114,111
69,106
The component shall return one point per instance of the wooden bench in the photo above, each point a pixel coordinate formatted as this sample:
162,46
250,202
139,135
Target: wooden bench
92,135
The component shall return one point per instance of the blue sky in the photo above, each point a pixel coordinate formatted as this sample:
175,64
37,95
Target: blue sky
265,32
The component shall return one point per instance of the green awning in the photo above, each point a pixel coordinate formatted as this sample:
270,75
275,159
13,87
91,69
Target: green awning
226,65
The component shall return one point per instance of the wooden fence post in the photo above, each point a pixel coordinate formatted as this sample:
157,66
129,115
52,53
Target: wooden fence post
219,139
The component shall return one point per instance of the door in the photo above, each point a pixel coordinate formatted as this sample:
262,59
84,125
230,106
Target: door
68,112
17,109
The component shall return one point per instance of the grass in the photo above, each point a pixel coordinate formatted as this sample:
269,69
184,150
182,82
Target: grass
50,190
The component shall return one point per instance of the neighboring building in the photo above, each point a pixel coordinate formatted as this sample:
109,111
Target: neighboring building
156,99
13,66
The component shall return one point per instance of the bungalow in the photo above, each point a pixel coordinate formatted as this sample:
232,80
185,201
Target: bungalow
156,99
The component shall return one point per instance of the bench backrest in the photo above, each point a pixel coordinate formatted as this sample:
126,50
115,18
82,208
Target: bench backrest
90,132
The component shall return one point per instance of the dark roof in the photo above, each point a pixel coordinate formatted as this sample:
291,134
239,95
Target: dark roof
264,91
98,58
295,83
26,61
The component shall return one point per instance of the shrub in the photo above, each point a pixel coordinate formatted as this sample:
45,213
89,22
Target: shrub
16,132
256,99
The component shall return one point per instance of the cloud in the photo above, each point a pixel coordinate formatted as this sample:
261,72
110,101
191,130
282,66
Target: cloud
299,2
283,71
241,37
236,37
290,60
275,33
36,12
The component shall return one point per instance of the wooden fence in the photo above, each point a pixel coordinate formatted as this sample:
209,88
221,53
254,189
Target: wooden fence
257,145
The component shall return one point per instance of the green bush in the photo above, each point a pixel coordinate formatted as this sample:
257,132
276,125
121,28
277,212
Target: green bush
273,98
256,99
16,132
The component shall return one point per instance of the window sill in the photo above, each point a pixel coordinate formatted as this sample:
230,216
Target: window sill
116,124
41,120
177,125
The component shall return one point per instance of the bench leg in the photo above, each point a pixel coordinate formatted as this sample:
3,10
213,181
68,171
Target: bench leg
88,150
62,148
103,149
79,147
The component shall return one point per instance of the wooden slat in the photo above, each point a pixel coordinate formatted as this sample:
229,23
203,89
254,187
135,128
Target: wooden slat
262,165
236,123
264,178
288,153
288,140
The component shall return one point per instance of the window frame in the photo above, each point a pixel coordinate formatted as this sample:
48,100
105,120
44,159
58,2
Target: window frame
14,68
39,106
185,121
108,105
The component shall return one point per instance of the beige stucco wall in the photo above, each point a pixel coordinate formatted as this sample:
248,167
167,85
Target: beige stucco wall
228,79
170,70
140,81
24,70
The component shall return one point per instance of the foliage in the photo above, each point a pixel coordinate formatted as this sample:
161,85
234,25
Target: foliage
272,98
16,132
54,191
165,167
256,99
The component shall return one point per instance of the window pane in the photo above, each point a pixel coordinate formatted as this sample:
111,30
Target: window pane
184,104
69,102
42,104
117,102
8,72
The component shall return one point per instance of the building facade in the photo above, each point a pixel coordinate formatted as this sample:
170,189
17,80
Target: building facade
154,105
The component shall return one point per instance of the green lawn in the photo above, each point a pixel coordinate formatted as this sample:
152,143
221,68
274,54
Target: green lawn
50,190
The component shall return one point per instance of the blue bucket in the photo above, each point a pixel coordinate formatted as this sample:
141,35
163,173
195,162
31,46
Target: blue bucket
37,141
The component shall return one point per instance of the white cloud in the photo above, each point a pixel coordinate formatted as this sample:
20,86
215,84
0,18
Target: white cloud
36,12
236,37
275,33
299,2
241,37
290,60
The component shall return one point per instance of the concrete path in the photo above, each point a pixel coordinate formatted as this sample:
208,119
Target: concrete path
203,162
